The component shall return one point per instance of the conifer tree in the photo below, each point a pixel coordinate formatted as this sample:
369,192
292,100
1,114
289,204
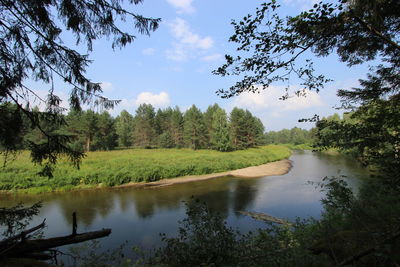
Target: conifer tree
194,130
220,135
124,128
208,122
238,128
144,133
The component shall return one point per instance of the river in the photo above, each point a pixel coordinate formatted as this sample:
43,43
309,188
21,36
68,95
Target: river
139,215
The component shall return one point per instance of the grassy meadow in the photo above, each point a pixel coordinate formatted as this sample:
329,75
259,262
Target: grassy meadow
110,168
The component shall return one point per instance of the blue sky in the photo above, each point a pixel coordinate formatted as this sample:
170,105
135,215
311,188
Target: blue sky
173,66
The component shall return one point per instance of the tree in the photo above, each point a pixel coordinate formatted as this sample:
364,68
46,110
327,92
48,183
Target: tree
270,47
254,129
106,137
193,127
357,229
220,136
238,133
177,127
32,47
208,121
144,133
124,128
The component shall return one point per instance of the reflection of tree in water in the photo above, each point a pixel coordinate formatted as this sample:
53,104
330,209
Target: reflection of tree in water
147,201
217,201
221,195
245,193
87,204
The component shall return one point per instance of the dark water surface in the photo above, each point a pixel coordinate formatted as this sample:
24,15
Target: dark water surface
139,215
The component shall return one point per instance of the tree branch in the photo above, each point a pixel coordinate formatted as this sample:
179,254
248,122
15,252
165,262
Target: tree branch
374,31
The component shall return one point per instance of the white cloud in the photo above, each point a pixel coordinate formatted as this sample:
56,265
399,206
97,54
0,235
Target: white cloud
302,4
269,99
187,42
183,6
157,100
178,53
212,57
148,51
106,86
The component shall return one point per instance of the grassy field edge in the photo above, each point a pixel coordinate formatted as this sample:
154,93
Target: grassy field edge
111,168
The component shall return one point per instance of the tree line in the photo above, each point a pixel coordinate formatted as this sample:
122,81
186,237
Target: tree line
295,136
148,128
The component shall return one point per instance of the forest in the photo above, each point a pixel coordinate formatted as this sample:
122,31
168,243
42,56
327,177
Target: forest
147,128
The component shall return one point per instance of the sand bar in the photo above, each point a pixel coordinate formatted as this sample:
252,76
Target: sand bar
280,167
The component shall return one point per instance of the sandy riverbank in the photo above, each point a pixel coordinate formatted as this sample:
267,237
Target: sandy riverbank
280,167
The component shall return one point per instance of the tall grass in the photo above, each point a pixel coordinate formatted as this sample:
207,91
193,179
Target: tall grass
111,168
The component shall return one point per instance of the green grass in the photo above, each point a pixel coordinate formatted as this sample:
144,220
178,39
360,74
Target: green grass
117,167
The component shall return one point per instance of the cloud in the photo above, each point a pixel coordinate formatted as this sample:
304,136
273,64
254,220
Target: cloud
269,99
187,42
183,6
157,100
212,57
302,4
148,51
178,53
106,86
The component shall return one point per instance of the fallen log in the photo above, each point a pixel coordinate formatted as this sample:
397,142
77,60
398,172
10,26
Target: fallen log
23,234
38,245
265,217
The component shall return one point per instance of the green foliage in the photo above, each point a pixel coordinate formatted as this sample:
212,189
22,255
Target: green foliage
105,137
32,47
296,137
124,127
219,134
133,165
88,255
357,31
246,130
204,239
371,132
144,132
194,128
348,233
13,220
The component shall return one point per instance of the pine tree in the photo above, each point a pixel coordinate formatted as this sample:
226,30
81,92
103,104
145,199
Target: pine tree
124,128
144,133
208,122
177,127
32,47
194,130
220,135
106,136
238,128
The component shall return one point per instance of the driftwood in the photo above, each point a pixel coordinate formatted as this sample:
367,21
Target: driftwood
23,234
38,245
19,246
265,217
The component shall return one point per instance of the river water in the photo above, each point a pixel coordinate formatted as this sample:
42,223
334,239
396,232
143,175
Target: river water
139,215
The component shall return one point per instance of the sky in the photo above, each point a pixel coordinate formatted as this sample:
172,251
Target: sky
172,66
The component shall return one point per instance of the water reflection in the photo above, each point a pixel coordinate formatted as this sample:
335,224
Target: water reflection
139,215
222,195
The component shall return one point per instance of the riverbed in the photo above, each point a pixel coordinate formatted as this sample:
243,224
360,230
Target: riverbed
140,214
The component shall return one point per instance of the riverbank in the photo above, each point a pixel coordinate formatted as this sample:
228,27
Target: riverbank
276,168
113,168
